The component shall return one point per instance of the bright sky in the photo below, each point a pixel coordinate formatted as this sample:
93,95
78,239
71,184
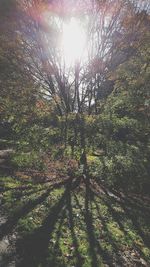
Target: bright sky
73,41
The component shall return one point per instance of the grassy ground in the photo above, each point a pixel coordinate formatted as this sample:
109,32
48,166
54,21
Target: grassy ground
73,223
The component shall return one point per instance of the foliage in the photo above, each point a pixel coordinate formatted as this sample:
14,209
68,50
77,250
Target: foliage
99,108
77,190
124,127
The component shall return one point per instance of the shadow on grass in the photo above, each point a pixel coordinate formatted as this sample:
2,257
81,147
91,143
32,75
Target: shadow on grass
33,249
8,226
133,209
75,243
36,249
95,248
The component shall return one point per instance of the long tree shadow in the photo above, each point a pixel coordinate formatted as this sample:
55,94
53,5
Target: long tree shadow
8,226
132,210
59,232
117,217
33,249
79,259
95,248
118,259
134,201
134,216
90,228
19,194
37,249
19,188
119,220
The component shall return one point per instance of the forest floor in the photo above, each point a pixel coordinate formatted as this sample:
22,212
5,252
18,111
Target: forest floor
66,221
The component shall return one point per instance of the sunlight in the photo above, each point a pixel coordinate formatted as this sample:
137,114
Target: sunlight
73,42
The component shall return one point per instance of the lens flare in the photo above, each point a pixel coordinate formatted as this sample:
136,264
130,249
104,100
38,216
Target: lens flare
73,41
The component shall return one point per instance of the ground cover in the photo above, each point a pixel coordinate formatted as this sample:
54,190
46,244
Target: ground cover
72,222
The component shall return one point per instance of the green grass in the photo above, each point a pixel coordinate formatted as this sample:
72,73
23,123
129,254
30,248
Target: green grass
71,227
27,160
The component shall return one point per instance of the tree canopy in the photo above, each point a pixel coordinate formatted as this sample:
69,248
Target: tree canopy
96,98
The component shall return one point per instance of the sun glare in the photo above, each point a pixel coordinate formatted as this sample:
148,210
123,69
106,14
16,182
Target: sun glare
73,42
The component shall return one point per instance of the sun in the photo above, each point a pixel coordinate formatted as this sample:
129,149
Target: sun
73,42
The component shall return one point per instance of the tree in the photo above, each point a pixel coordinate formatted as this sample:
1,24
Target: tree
18,89
124,126
114,33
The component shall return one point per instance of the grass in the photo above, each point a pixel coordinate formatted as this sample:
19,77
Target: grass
72,225
31,159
